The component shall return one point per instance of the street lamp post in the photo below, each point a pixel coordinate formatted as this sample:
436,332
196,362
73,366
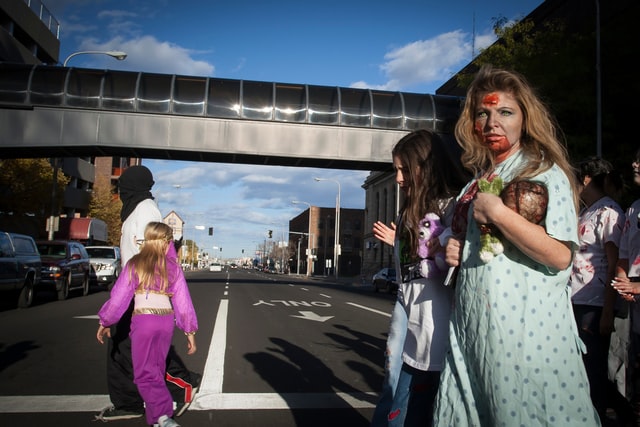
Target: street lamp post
183,252
201,228
324,249
298,263
309,243
112,53
279,246
52,219
336,247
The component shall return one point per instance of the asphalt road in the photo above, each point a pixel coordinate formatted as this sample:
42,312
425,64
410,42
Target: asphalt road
274,350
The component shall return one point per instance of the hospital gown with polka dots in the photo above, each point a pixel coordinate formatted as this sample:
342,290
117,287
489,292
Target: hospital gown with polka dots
515,357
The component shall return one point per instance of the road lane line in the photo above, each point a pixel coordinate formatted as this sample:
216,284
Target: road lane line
63,403
370,309
203,402
214,366
256,401
210,396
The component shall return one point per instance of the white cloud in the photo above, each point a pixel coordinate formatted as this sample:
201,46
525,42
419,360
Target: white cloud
148,54
483,41
116,14
265,179
426,62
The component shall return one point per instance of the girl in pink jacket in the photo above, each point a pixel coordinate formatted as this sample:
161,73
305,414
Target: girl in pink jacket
155,281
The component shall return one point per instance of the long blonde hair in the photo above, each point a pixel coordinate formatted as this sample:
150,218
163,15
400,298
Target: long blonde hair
150,263
541,137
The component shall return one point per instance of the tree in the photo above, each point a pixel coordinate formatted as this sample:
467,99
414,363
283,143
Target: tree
26,192
106,205
559,58
560,64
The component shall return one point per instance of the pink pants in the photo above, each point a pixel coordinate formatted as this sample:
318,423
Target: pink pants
151,337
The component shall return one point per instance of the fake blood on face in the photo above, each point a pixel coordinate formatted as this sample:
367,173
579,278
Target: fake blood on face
498,143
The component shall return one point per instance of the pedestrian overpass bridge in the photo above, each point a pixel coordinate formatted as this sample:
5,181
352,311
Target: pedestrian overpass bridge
52,111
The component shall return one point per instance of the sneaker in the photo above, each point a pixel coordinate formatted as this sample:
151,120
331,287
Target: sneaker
110,413
165,421
189,395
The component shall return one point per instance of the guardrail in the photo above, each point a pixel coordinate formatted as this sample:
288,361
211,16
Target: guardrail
45,16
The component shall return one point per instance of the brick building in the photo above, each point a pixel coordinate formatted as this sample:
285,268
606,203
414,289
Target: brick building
319,224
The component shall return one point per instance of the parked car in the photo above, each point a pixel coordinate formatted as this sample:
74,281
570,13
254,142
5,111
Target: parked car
106,264
20,267
65,266
385,279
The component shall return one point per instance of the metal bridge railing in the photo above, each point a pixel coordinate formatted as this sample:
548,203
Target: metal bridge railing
45,16
138,92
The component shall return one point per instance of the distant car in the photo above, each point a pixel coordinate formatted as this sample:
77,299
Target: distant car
385,279
65,266
215,266
106,264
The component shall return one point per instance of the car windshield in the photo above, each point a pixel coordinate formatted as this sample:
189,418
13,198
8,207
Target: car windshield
392,272
101,253
52,250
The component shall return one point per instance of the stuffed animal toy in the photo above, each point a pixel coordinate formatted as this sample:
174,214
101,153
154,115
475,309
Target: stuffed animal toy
526,198
430,264
490,244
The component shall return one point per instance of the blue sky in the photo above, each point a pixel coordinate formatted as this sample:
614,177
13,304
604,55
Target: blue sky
404,45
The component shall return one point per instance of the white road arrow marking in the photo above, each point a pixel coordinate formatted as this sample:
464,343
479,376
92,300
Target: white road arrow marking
310,315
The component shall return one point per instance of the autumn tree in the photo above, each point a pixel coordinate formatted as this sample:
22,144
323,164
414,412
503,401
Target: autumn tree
106,205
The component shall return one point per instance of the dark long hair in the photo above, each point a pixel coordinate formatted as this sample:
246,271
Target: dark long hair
434,173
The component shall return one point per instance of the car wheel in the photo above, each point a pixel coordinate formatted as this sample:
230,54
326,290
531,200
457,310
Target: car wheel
85,285
26,294
63,293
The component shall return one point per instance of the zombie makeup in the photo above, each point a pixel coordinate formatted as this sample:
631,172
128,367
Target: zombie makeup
499,123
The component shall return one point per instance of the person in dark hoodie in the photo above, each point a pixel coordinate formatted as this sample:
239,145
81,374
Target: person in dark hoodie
138,209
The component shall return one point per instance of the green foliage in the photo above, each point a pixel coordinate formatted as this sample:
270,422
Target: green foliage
561,66
26,188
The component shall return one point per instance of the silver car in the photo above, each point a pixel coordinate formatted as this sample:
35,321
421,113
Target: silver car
106,264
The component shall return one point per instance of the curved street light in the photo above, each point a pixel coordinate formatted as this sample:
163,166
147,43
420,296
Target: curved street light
112,53
336,246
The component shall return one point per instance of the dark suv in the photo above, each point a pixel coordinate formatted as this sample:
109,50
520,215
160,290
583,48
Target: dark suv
19,266
65,266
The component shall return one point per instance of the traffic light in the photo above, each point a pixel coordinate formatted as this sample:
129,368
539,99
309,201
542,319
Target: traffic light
210,231
270,234
243,251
